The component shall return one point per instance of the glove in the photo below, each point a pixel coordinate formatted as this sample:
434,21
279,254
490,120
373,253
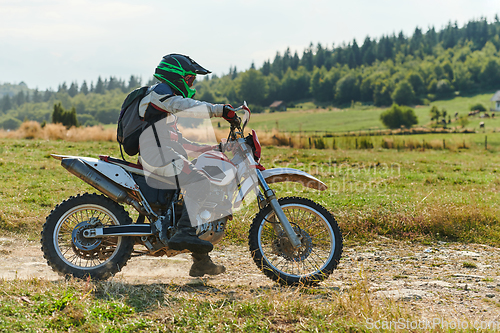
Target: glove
228,113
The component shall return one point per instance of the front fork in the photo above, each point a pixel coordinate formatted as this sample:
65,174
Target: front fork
270,197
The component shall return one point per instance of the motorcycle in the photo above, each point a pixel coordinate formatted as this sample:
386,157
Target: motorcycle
292,240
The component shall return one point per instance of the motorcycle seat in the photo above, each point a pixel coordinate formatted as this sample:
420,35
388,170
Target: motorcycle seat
113,160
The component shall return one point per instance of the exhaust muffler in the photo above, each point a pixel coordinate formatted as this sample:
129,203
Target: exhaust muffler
101,183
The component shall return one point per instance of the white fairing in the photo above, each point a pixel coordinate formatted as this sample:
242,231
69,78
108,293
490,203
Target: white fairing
280,175
217,167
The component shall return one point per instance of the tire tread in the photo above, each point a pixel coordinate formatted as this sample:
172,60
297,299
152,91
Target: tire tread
100,273
275,275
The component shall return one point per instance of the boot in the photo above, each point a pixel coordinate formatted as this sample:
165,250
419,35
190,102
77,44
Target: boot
202,264
185,239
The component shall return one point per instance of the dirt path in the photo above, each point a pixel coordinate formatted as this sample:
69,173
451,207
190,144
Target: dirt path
444,279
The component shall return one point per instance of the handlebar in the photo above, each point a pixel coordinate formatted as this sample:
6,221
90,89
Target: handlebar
241,123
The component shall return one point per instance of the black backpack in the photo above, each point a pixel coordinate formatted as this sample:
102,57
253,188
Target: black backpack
130,125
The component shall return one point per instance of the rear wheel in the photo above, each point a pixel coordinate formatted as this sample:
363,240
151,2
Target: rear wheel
314,260
69,253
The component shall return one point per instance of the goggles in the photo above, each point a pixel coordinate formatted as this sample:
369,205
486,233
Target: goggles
189,79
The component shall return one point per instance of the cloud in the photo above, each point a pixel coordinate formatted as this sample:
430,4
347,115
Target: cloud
49,21
81,39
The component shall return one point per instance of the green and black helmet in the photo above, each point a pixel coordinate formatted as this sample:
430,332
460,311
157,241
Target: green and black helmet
179,71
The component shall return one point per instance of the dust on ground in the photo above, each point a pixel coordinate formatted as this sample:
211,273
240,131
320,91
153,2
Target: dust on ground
442,279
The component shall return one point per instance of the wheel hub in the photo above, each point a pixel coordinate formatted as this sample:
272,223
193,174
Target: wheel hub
284,248
80,242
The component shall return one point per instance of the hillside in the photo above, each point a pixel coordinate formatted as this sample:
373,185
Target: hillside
408,70
361,117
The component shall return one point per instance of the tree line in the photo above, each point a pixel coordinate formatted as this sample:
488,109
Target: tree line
400,69
94,104
10,101
393,69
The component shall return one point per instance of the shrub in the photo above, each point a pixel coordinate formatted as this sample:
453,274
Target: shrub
10,123
365,143
463,121
477,106
256,108
86,120
398,116
319,143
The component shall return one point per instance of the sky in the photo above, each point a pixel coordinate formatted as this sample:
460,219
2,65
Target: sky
47,42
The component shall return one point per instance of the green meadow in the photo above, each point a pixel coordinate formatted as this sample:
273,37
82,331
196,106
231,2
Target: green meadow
416,195
404,187
361,117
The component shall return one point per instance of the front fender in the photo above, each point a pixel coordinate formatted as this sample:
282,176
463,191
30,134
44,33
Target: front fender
280,175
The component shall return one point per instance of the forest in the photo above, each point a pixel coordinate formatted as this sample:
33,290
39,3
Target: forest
407,70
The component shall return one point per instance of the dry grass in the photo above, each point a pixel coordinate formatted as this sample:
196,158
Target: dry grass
271,138
33,130
448,222
411,144
83,306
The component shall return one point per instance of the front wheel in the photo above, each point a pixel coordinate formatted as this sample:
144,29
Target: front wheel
70,253
314,260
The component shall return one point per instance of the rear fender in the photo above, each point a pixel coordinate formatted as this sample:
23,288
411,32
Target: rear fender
280,175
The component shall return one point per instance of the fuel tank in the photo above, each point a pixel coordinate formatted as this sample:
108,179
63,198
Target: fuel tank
217,167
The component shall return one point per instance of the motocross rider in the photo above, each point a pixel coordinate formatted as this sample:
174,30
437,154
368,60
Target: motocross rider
172,95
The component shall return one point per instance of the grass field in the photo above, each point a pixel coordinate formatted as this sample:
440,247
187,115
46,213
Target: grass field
33,183
418,195
309,118
396,189
370,190
79,306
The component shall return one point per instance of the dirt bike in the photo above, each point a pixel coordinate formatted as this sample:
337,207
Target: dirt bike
292,240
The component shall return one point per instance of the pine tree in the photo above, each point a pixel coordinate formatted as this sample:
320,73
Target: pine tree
6,103
113,83
62,88
70,118
133,82
277,65
266,68
356,53
57,113
47,95
99,87
62,116
37,97
84,89
320,57
73,89
20,98
294,63
307,58
287,59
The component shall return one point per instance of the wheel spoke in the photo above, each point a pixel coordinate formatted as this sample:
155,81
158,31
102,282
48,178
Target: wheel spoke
85,258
